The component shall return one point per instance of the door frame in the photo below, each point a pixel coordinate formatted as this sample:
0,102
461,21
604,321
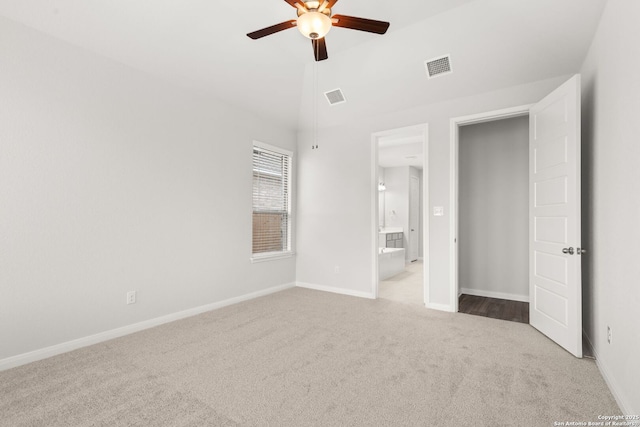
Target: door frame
415,217
422,130
454,145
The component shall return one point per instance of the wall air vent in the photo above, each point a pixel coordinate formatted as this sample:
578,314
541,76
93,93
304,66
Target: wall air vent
335,97
438,66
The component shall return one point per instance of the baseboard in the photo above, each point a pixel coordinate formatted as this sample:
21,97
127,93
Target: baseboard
491,294
586,339
440,307
622,402
54,350
335,290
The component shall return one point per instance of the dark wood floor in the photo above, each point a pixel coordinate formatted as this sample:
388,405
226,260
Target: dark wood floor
514,311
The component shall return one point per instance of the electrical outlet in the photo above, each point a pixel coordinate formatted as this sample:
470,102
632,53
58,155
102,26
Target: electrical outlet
336,269
609,334
131,297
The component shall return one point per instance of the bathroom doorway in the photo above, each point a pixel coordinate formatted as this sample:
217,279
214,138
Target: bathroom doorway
399,201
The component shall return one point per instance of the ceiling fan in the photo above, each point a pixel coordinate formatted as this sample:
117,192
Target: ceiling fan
314,22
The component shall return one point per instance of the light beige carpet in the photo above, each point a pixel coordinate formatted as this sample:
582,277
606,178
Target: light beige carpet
308,358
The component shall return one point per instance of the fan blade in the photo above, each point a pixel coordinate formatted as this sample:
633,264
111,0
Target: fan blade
319,49
368,25
272,29
327,4
297,4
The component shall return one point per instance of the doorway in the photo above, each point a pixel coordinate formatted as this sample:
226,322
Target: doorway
493,219
400,230
555,291
456,123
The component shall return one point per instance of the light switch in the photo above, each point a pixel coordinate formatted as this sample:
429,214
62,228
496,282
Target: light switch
438,211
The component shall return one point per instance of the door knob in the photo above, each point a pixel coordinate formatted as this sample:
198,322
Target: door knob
568,251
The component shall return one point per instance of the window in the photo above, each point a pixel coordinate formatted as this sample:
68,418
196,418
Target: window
271,201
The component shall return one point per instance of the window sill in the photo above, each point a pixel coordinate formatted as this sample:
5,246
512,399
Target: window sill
271,256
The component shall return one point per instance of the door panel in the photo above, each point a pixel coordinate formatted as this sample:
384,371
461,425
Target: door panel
550,230
551,268
551,118
551,192
555,284
549,153
552,306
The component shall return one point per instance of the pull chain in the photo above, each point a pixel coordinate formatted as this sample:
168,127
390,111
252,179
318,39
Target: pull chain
314,146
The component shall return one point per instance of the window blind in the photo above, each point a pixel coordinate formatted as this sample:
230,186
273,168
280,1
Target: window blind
271,200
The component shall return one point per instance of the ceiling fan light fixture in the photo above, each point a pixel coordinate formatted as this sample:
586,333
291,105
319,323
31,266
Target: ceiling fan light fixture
314,25
314,21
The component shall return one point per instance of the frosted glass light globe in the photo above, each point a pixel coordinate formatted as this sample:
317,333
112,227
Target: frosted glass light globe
314,25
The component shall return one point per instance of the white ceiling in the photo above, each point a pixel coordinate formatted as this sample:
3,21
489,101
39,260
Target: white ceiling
202,44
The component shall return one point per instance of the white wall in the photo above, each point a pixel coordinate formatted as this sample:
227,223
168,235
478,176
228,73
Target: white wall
493,209
335,190
112,181
611,201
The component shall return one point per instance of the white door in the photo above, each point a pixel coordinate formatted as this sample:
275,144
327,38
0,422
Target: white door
414,218
555,307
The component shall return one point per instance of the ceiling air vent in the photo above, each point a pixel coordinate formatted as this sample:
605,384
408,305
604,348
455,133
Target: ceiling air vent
438,66
335,97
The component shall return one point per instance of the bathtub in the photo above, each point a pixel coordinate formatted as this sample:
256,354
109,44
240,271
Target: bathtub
390,262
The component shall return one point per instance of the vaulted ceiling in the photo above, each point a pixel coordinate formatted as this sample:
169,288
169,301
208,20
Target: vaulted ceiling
202,45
